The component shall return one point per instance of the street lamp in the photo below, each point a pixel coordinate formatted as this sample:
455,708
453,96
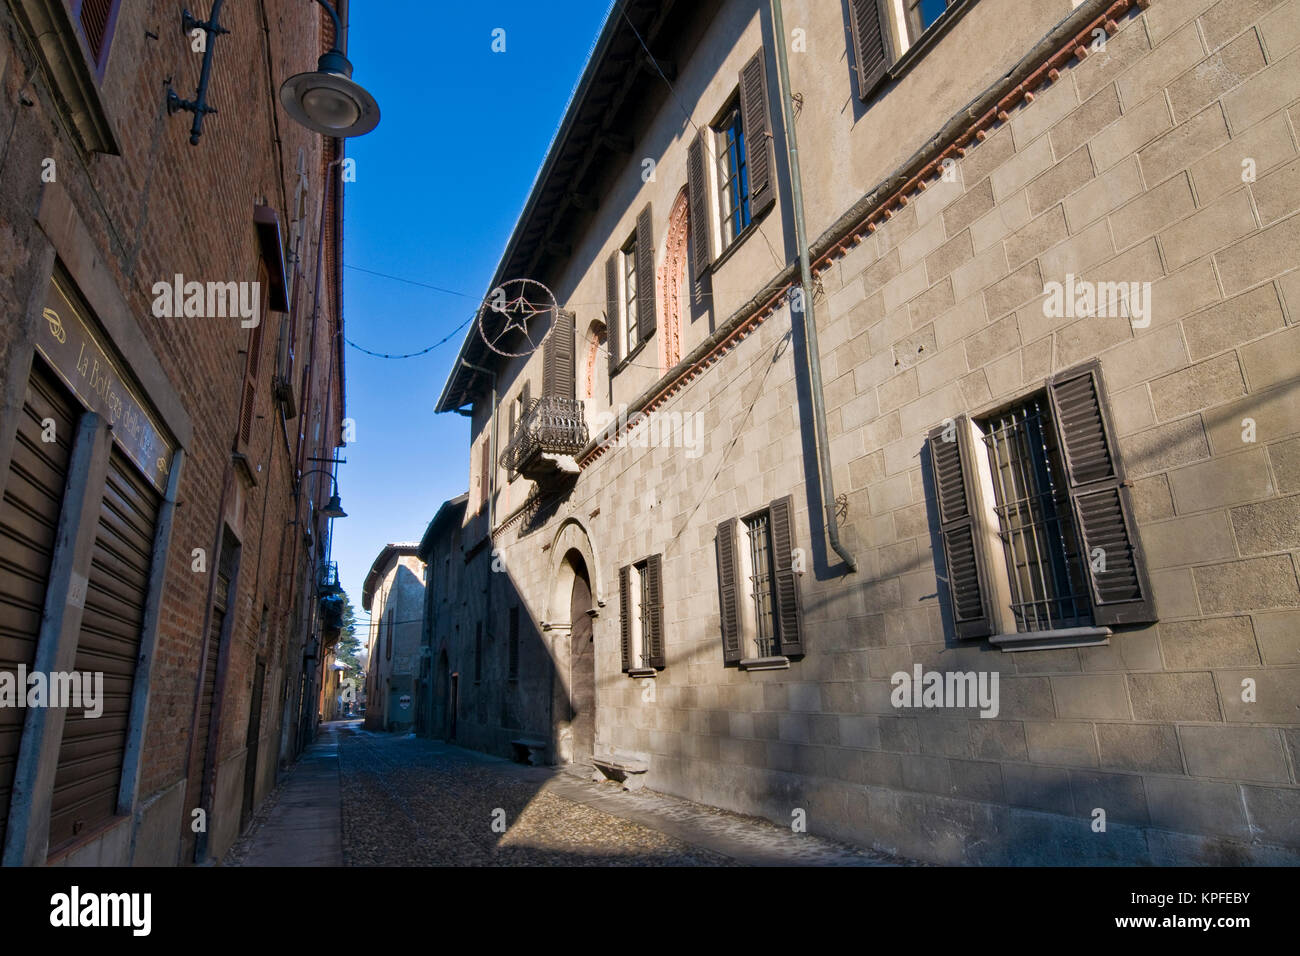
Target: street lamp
327,100
333,508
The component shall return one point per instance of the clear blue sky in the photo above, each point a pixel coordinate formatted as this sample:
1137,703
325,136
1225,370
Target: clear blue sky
439,185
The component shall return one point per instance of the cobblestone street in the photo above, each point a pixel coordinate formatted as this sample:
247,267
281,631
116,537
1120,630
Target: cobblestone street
366,799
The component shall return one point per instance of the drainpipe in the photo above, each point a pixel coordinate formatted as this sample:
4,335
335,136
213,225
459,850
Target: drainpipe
805,272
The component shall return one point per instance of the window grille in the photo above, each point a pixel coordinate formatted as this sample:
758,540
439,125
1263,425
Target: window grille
760,553
1036,524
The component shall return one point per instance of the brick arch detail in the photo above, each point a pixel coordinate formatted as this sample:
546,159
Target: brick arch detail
672,278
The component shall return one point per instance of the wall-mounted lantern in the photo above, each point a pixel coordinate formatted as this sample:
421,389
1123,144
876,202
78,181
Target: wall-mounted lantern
327,100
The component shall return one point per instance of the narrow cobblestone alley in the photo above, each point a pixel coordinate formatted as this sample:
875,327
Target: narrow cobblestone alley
370,799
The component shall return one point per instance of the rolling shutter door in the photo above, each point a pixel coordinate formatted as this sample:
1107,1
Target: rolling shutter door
29,519
91,754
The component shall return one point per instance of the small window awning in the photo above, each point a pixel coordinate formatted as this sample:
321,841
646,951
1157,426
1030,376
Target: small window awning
267,222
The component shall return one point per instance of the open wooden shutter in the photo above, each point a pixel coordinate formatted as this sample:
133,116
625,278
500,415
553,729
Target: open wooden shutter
625,617
645,274
91,754
484,477
757,122
697,191
967,577
248,396
873,52
654,591
615,336
788,609
558,357
1103,511
29,524
728,594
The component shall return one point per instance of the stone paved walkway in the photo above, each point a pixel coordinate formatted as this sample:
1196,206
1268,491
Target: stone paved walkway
404,801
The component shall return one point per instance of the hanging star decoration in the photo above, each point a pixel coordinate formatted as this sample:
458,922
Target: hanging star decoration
517,303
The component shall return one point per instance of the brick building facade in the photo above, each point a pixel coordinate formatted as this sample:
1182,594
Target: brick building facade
1054,290
160,521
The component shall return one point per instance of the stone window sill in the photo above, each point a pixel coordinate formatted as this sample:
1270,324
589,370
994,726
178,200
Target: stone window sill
642,672
777,663
1052,640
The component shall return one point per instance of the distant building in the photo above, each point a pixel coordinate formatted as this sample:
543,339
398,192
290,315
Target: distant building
1033,418
393,594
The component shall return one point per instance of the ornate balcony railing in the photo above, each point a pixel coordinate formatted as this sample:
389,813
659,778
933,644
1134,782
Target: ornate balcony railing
552,430
327,579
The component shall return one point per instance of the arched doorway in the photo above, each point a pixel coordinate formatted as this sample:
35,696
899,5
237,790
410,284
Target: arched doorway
582,666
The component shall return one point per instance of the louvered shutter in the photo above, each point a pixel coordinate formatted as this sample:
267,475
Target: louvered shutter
1103,511
728,595
645,275
95,16
788,608
697,190
89,770
558,357
615,336
757,122
483,479
252,363
29,523
625,617
654,649
872,50
950,461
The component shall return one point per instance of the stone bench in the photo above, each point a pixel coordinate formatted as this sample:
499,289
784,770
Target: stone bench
529,751
627,769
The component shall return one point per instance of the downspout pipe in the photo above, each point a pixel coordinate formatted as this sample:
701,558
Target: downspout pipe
812,353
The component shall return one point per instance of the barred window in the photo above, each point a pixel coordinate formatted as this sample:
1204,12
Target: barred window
760,583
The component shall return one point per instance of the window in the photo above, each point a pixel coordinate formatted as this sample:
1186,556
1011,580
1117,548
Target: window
921,15
758,564
629,295
640,589
95,19
512,665
1037,527
729,169
630,339
733,177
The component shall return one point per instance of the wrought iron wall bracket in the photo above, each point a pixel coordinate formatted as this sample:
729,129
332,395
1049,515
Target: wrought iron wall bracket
199,105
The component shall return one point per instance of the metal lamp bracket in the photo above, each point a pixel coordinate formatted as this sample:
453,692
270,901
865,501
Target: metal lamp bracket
199,105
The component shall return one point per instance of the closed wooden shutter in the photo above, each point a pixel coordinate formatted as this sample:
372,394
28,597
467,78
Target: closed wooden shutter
89,771
558,355
645,274
697,194
29,521
625,617
612,310
786,582
872,50
221,600
757,123
728,595
967,577
1100,498
484,477
654,649
94,16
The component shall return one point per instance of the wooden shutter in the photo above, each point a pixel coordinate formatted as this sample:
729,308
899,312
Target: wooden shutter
697,189
728,595
873,52
788,609
757,122
612,310
645,274
483,478
967,577
95,16
558,356
252,363
29,522
653,649
625,617
1099,495
89,770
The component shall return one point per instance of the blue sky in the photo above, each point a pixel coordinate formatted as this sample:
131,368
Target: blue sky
439,186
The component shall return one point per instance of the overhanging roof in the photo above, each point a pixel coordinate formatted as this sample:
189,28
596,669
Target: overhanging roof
617,74
386,556
453,508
